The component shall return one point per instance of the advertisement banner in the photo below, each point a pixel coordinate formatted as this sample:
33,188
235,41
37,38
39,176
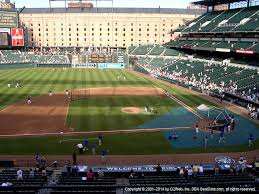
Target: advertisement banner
223,50
17,37
248,52
111,65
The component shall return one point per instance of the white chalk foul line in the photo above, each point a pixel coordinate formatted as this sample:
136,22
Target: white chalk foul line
97,132
66,140
183,104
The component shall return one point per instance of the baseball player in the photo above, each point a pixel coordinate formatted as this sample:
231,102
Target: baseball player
17,85
93,148
86,144
50,93
29,100
124,77
67,92
8,85
100,139
197,128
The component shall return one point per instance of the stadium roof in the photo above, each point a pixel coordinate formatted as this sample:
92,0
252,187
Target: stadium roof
114,10
215,2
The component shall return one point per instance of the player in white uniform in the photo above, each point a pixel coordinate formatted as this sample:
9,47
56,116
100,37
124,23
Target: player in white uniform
8,85
50,93
29,100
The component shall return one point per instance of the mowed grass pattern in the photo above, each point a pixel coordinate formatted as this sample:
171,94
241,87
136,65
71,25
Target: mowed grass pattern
104,113
38,81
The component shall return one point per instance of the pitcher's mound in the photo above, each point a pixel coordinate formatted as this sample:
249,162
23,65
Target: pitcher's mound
132,110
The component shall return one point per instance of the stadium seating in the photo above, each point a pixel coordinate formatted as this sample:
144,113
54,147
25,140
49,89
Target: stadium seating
157,50
69,184
215,73
12,56
234,20
142,50
170,52
25,185
17,57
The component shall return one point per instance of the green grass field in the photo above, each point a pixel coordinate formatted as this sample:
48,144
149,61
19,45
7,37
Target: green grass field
39,81
36,81
117,144
86,114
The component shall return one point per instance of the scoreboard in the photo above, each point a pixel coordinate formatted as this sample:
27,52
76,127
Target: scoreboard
10,33
8,19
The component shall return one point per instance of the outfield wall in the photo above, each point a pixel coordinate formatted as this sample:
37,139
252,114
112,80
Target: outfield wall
100,65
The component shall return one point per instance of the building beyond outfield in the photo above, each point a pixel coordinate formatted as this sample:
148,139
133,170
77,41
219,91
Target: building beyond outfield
102,27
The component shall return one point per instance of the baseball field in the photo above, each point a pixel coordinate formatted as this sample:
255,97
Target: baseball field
131,111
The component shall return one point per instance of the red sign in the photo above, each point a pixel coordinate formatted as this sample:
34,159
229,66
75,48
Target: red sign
186,46
249,52
17,37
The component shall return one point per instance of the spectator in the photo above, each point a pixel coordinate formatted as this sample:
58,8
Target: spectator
195,170
68,168
90,175
158,169
74,159
19,174
75,170
55,164
100,173
7,184
181,171
190,172
200,169
53,183
132,174
31,174
44,174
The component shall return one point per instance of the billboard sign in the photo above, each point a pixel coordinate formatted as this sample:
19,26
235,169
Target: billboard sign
8,19
111,65
17,37
249,52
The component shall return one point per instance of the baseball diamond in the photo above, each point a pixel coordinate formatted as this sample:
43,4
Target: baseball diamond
97,109
116,100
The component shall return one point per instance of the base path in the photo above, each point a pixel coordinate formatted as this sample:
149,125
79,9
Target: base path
47,114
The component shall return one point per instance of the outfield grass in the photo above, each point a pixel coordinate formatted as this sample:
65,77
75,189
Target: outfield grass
104,113
38,81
